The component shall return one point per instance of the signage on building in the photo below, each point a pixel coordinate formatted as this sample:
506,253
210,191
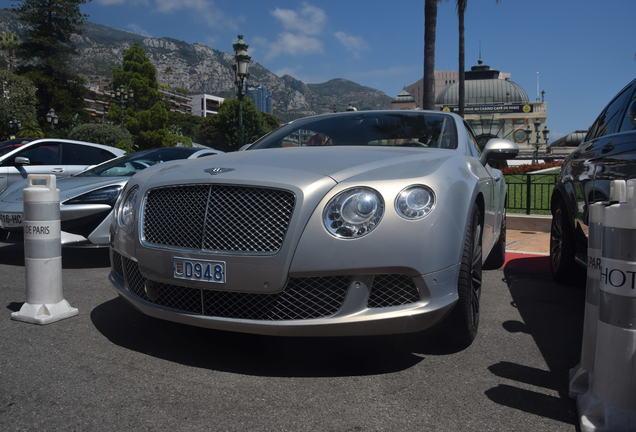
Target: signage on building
496,108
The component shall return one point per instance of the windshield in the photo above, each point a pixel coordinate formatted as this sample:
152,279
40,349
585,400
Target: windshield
399,129
131,164
10,145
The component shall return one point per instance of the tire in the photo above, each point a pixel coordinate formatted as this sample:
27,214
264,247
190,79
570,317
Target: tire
463,321
497,255
562,262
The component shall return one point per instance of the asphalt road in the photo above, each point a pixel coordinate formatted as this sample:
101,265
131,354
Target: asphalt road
112,368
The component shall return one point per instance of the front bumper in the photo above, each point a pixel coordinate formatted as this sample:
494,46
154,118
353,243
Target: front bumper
353,317
82,225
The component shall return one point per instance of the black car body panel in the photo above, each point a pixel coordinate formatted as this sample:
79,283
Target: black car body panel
607,153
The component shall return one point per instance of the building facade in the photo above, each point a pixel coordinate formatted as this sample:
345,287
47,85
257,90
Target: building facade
261,96
204,105
497,107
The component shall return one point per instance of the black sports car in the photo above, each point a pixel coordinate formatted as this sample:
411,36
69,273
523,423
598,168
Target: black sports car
607,153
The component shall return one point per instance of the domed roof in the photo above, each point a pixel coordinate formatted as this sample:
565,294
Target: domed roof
404,96
484,91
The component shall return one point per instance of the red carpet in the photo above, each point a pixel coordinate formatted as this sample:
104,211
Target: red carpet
527,262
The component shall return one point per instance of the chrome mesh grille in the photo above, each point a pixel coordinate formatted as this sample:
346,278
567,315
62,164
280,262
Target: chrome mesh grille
218,218
302,298
175,216
392,290
135,281
116,264
175,297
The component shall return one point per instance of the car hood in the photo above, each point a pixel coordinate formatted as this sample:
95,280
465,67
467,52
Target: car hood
69,187
302,165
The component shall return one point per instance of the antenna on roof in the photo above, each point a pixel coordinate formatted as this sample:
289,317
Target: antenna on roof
537,86
479,60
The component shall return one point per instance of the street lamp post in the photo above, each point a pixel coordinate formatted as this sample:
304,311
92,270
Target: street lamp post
52,118
537,143
121,96
14,124
528,132
242,60
545,133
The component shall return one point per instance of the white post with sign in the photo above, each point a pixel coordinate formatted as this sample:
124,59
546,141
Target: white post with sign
580,375
45,301
612,402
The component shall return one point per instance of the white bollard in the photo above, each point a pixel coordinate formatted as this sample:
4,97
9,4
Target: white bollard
580,375
612,400
45,301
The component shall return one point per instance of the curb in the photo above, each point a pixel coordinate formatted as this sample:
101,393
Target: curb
528,222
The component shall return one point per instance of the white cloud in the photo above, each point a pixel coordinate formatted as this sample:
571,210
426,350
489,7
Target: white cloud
206,10
294,44
135,28
353,44
308,20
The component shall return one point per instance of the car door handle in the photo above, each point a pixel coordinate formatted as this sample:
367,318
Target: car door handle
57,170
607,148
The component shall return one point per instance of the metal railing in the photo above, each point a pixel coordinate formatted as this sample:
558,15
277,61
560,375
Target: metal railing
530,193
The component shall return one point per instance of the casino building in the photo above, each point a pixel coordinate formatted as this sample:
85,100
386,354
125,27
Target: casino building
497,107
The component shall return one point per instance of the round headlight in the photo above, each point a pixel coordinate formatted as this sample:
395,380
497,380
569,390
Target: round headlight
353,213
126,210
415,202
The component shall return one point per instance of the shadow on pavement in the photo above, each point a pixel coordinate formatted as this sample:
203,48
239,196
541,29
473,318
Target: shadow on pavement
72,258
553,315
261,355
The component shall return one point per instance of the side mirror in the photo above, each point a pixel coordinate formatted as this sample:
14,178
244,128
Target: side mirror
498,149
19,161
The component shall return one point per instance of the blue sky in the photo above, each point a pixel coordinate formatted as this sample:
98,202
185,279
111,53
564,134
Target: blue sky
584,50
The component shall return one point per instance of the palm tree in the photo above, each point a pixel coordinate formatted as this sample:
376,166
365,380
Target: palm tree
461,8
430,24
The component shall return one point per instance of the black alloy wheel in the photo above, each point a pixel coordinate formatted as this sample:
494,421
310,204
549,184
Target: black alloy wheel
463,321
561,246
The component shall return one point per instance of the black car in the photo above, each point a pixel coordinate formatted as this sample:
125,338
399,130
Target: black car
607,153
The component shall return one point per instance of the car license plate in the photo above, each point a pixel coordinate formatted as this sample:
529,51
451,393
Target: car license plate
198,270
10,220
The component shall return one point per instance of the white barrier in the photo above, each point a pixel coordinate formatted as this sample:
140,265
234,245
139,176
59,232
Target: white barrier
580,375
45,301
610,402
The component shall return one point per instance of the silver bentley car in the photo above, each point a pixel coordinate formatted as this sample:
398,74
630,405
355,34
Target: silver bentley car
357,223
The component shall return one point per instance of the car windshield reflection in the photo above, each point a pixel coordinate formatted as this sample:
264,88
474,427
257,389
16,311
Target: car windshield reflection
399,129
131,164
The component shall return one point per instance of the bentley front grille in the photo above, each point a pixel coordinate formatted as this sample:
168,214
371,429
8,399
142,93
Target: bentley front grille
116,264
218,218
392,290
302,298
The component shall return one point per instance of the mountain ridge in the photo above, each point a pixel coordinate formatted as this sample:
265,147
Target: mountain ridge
198,68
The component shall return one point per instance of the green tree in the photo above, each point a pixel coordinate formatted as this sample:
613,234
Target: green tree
146,115
30,129
270,122
184,124
221,132
46,50
9,42
17,102
106,134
